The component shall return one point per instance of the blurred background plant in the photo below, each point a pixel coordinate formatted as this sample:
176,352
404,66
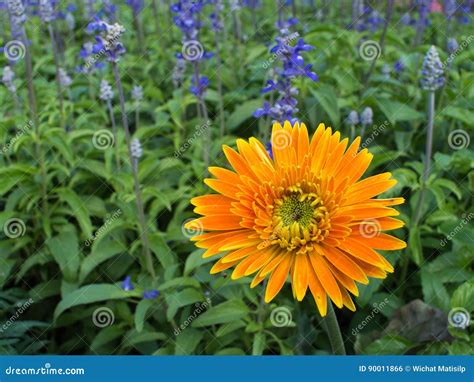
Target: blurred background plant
74,272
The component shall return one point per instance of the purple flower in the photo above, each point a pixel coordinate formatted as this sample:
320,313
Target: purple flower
465,16
265,110
399,66
127,284
137,93
292,66
46,11
106,92
188,19
91,59
8,77
150,294
136,149
452,45
108,40
136,5
268,148
199,89
353,118
178,72
432,71
366,117
16,9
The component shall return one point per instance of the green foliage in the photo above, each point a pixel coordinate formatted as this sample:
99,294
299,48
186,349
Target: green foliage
81,232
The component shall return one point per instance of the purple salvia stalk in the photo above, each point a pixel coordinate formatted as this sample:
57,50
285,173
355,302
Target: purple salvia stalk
108,41
136,183
432,80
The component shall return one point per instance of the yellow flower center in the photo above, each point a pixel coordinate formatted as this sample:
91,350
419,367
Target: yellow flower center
300,220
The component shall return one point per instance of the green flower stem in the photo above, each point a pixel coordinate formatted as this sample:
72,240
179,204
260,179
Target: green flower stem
333,331
427,163
352,132
114,132
138,196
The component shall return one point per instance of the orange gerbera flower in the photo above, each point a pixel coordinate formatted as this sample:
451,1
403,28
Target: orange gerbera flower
303,213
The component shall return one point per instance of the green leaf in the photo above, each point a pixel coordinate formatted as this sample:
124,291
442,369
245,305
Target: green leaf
463,296
461,114
258,345
388,345
133,338
220,314
78,209
102,252
179,299
242,113
449,185
140,313
195,260
163,253
106,336
187,341
396,111
180,282
327,99
416,250
229,328
92,293
65,251
434,291
438,194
